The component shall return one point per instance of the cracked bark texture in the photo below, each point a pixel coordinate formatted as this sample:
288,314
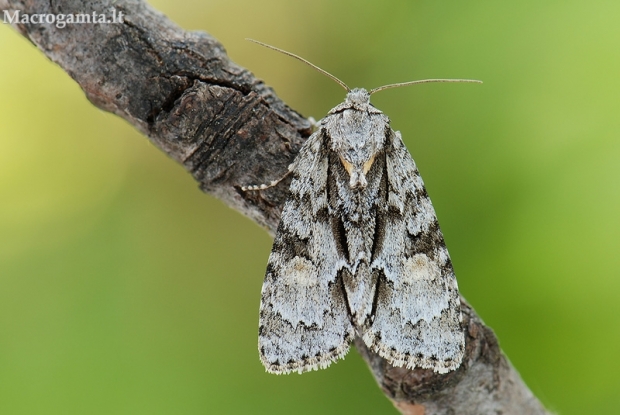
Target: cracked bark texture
229,130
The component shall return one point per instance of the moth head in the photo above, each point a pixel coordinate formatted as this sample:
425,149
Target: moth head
358,97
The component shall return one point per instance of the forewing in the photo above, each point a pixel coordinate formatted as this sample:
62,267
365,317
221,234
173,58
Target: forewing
417,317
304,323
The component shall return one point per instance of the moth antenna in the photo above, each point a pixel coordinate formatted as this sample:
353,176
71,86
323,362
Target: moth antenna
423,81
292,55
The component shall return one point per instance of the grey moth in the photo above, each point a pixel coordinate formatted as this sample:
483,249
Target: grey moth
358,252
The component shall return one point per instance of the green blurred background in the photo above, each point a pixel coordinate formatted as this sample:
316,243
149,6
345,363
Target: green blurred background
125,290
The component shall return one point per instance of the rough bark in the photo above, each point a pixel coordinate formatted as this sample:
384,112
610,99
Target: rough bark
229,130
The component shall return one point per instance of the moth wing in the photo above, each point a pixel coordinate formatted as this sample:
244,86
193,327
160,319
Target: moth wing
417,318
304,323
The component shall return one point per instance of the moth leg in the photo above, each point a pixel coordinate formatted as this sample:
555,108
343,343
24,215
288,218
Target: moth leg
268,185
315,127
315,124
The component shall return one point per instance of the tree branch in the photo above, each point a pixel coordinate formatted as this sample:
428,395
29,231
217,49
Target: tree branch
229,130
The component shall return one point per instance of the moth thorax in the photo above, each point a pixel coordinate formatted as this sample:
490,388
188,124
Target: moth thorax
357,141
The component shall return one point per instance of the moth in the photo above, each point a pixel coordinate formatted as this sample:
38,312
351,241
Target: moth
358,251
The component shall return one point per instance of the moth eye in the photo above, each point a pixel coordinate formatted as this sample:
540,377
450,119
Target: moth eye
347,166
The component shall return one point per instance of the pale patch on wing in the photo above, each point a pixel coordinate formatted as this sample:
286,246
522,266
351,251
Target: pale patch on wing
300,272
420,268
